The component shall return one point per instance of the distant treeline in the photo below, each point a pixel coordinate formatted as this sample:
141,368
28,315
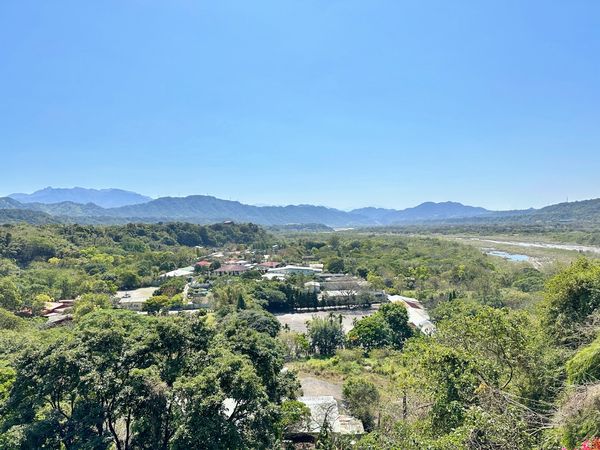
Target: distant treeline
26,243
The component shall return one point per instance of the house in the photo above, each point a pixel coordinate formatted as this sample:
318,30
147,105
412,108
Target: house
56,308
50,307
264,266
203,264
55,319
231,269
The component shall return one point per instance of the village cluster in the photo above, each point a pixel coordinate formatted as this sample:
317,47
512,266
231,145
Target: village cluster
331,290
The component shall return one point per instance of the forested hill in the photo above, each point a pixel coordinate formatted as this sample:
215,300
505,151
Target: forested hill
586,209
25,243
206,209
12,216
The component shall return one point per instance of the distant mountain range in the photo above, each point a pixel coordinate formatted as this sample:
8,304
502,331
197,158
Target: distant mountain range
424,212
106,198
41,207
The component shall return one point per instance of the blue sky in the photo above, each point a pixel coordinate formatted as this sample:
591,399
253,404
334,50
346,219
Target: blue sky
336,102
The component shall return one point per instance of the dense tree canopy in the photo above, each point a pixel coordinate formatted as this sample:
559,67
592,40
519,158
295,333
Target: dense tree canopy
131,381
512,362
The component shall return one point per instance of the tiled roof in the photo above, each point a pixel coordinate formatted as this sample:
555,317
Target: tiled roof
232,268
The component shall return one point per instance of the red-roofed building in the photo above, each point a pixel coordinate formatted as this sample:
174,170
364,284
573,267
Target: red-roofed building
270,264
263,267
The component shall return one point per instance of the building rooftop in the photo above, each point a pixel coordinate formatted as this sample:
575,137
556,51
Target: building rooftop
232,268
270,264
291,268
179,272
417,314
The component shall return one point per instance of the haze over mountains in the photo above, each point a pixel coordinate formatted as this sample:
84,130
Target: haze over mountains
117,206
106,198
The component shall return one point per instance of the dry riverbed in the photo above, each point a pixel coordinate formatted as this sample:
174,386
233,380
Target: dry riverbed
538,253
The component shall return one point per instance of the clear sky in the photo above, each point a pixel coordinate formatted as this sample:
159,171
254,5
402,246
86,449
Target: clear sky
343,103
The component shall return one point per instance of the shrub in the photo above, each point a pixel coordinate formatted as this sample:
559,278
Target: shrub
584,367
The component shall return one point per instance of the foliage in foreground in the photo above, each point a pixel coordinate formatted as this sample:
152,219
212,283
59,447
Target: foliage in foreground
127,381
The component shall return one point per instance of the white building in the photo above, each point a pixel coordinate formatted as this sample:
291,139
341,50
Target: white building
297,270
417,314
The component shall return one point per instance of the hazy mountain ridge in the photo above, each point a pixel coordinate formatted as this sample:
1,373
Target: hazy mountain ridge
424,212
106,198
212,208
9,203
71,209
208,209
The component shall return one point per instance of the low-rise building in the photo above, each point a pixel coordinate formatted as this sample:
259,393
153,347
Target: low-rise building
182,272
312,287
296,270
265,266
60,307
274,276
231,269
417,314
202,265
55,319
